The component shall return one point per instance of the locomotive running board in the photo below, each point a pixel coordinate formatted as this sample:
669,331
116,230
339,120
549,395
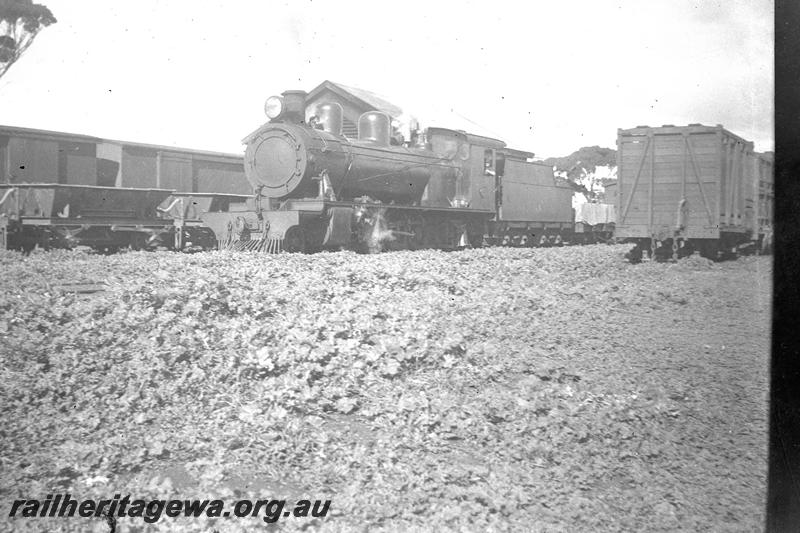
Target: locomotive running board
319,206
428,209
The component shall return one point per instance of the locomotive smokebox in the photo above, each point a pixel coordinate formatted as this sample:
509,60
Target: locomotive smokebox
275,161
285,160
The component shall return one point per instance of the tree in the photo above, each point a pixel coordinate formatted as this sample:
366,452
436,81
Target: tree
584,161
20,23
580,168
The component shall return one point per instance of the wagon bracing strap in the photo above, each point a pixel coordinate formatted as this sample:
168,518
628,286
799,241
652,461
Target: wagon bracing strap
699,180
636,180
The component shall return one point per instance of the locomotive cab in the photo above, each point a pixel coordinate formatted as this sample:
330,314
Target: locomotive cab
474,183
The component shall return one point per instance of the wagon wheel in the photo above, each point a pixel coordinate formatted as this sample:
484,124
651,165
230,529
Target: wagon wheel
294,241
686,249
709,249
635,254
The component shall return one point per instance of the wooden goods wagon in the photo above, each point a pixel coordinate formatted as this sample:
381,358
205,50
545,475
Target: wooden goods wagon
685,188
40,156
60,215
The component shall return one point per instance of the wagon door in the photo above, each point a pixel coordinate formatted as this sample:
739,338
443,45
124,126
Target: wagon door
174,171
77,163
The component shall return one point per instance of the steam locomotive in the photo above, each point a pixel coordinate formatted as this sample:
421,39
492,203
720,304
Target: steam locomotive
315,189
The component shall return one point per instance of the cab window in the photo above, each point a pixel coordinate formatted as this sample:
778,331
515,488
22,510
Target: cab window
488,163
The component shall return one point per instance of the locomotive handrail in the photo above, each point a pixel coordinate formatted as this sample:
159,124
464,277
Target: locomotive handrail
348,149
405,168
321,138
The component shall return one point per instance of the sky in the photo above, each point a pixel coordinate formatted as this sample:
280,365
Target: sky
545,76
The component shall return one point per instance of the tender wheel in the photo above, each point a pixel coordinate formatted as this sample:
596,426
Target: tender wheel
475,240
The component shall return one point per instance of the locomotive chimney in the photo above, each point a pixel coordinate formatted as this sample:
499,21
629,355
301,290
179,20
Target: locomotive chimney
295,106
374,127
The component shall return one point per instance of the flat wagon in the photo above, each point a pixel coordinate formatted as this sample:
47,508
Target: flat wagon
688,188
56,215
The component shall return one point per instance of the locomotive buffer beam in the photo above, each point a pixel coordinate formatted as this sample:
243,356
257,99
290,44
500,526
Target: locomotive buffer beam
250,226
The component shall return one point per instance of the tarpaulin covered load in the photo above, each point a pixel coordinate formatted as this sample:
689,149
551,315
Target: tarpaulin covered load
594,214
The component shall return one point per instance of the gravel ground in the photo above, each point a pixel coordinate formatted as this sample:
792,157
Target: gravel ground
696,336
494,389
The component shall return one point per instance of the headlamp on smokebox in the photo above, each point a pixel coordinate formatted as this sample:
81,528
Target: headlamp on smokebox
273,107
